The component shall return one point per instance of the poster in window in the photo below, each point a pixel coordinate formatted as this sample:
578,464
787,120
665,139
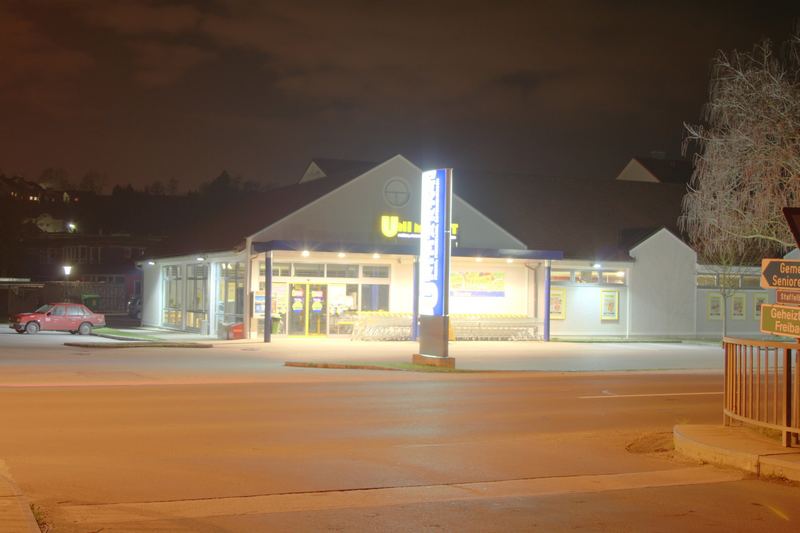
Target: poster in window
609,305
758,301
738,307
259,302
714,307
558,303
477,284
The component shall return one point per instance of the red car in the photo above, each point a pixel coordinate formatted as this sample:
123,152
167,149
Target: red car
75,318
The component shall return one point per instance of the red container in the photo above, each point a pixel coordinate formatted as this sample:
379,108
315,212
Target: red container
236,331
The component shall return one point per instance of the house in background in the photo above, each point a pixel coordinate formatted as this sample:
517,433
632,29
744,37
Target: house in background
657,168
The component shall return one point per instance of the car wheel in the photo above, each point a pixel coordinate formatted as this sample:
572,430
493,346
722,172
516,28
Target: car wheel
32,328
85,329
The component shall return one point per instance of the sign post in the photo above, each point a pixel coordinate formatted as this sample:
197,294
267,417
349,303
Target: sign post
784,276
433,280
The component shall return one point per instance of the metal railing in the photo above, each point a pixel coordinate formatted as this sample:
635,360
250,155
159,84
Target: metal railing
762,385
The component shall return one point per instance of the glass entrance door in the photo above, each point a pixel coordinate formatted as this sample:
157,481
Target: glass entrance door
317,310
308,309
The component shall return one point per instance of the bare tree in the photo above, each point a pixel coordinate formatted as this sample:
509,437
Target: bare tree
93,181
747,160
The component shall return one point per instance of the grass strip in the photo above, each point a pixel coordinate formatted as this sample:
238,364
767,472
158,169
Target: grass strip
138,344
123,334
393,366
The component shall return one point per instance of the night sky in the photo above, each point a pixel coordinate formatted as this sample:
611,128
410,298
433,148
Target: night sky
146,91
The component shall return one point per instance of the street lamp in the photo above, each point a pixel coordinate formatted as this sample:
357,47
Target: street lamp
67,270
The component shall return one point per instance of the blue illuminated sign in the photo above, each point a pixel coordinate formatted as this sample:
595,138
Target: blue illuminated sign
434,242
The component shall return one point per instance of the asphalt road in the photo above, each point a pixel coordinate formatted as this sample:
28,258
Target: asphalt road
135,441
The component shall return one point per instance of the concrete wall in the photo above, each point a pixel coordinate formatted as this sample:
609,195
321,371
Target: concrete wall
401,287
662,286
151,295
748,326
351,214
583,313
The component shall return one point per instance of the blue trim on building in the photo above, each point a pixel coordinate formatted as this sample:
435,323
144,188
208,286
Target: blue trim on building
278,245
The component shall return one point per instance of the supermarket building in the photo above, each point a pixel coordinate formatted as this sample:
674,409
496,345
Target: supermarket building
334,255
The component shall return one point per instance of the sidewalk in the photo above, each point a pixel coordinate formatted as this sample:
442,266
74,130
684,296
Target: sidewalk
738,447
15,513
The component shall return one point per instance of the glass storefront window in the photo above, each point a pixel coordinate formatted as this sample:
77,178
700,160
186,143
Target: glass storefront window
375,271
614,278
278,269
587,276
560,276
230,293
173,296
751,282
374,297
706,280
309,270
342,271
343,307
196,297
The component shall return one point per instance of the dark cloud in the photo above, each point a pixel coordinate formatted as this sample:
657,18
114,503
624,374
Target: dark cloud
162,63
150,90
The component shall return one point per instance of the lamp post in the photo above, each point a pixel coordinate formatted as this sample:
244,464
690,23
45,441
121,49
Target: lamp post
67,270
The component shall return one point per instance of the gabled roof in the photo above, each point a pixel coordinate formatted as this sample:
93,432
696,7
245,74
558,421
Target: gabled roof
586,218
20,184
665,231
335,168
667,170
231,222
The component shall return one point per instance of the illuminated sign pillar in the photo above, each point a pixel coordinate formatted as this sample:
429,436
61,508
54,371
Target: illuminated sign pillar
433,280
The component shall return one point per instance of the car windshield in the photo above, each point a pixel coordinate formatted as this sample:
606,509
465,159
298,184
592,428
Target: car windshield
45,308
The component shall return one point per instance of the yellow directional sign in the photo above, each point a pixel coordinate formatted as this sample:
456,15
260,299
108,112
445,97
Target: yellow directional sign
780,320
780,274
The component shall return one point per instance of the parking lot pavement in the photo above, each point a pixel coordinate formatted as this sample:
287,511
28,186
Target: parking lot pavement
43,360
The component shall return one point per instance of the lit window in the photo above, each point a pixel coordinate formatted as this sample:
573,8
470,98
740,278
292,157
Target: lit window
706,280
342,271
375,271
614,278
587,276
751,282
309,270
281,269
560,276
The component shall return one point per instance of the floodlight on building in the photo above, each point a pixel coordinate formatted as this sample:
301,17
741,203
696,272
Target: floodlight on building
597,265
340,255
509,260
479,259
71,227
67,269
200,258
305,253
376,255
151,263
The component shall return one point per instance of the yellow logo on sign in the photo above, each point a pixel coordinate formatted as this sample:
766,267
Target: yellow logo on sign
393,226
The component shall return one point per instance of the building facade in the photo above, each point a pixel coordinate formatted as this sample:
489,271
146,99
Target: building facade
343,263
